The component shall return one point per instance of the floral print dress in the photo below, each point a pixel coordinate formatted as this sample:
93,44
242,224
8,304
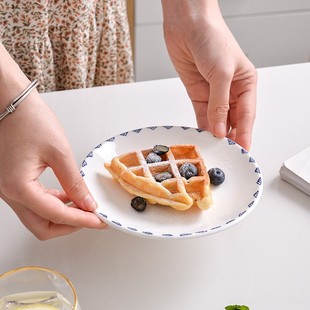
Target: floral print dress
67,44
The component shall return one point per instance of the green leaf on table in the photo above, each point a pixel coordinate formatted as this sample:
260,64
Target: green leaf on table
237,307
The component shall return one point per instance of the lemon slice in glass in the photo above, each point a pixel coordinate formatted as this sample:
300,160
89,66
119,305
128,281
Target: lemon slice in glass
36,307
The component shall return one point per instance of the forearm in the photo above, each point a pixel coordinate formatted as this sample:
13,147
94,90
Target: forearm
188,19
12,80
175,9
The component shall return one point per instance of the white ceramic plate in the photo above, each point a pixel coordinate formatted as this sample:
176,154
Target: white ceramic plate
233,200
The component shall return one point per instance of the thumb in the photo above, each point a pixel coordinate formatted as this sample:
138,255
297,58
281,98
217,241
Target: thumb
218,107
73,184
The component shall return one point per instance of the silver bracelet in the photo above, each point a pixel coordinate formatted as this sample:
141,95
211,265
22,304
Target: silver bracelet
12,106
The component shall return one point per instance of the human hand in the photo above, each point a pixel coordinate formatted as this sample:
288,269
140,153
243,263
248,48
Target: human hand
31,140
220,80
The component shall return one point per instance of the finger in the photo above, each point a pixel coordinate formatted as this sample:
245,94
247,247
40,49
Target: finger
41,228
199,95
72,182
218,106
201,109
242,116
245,118
60,194
49,207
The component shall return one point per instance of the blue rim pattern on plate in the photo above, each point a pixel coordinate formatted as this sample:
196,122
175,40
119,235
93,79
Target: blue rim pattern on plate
248,207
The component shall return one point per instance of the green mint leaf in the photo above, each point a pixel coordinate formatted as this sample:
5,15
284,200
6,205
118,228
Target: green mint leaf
237,307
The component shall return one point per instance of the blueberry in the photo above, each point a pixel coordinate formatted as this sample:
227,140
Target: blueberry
160,149
138,203
217,176
153,158
188,170
162,176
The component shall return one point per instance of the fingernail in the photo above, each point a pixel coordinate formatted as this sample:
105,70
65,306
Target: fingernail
104,226
220,129
90,203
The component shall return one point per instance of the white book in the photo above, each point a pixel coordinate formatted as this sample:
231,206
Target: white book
296,170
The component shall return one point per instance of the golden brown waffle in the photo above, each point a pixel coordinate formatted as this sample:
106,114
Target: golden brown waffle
136,176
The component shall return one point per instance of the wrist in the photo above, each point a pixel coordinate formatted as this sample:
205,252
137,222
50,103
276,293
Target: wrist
176,9
12,80
15,103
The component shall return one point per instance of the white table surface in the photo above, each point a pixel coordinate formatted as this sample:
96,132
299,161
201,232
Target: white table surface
262,262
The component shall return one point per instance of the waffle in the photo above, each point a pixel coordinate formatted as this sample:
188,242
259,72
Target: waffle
136,176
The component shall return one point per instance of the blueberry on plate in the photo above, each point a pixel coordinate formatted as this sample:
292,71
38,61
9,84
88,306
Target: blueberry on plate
188,170
162,176
152,158
217,176
138,203
160,149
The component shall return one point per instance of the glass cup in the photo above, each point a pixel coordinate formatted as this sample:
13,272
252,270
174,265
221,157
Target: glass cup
36,288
